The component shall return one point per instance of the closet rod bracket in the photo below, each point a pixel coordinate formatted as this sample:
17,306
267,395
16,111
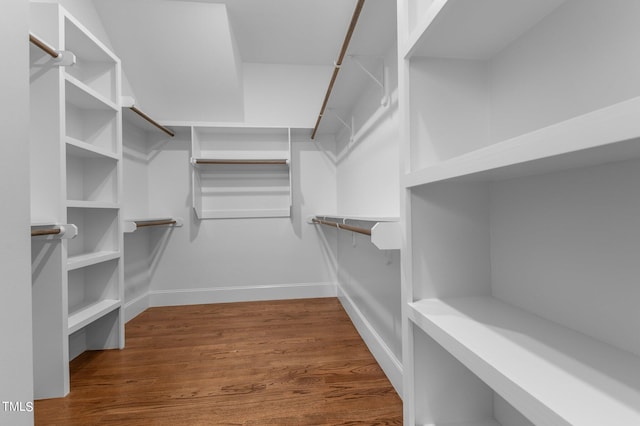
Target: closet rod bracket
64,59
60,58
344,123
382,81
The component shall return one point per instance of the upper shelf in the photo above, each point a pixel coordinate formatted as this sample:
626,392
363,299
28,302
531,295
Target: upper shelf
438,31
552,374
385,232
605,135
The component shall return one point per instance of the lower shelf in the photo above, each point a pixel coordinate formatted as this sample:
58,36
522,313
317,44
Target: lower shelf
551,374
90,313
80,261
231,214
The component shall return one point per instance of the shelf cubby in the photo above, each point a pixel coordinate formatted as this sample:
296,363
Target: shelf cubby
519,70
495,340
548,255
95,66
241,172
240,143
93,293
97,231
91,177
90,120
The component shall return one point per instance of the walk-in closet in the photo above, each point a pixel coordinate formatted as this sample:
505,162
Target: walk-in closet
320,212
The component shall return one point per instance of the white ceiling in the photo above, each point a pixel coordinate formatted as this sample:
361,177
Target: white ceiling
188,54
306,32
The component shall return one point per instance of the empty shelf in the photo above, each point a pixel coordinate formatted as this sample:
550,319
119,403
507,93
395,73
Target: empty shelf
552,374
90,313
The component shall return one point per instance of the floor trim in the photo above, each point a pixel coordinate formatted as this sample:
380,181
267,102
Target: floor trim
381,352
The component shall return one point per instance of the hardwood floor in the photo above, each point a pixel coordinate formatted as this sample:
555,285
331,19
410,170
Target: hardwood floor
294,362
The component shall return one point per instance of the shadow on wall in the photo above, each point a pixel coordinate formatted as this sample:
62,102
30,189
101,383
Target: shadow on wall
301,173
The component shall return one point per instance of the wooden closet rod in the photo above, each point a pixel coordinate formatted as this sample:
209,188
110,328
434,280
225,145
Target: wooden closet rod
203,161
152,121
346,227
41,232
155,223
44,46
336,69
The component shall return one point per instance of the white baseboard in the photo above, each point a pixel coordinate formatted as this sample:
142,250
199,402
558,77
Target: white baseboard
135,307
389,363
197,296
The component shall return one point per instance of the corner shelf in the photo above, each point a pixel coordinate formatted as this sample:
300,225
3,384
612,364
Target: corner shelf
495,340
385,232
240,172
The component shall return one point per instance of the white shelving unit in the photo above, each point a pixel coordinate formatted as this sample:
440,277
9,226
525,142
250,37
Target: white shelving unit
241,172
522,209
76,158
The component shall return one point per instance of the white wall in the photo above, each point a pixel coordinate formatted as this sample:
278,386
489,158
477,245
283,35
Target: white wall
16,364
220,260
368,171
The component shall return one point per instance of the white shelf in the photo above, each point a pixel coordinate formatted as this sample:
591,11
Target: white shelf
91,313
234,214
78,148
82,96
552,374
88,259
489,26
81,204
131,225
602,136
361,218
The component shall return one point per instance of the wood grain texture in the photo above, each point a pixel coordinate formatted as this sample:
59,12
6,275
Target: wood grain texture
293,362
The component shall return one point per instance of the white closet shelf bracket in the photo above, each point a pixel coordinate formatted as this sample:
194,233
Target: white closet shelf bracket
129,102
382,82
344,123
385,232
131,225
54,231
60,57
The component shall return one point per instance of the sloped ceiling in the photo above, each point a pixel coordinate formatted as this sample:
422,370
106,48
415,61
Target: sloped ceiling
179,57
183,58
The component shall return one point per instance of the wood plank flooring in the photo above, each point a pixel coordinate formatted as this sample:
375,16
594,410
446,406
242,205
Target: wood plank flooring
293,362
